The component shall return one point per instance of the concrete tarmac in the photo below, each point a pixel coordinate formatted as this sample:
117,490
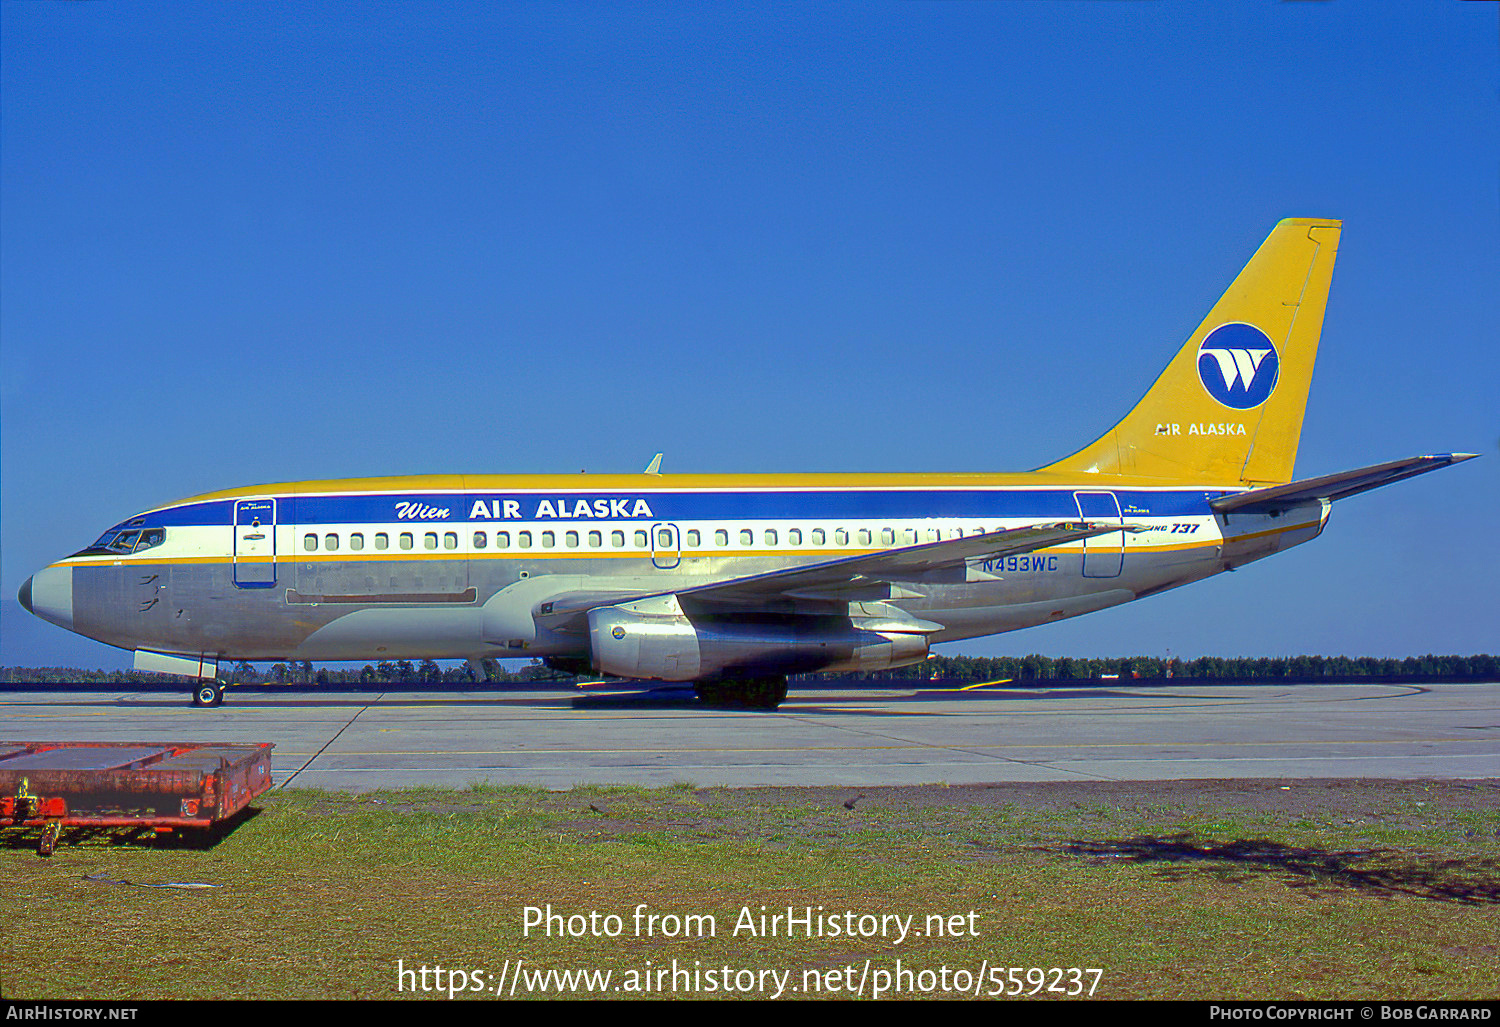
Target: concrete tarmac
555,738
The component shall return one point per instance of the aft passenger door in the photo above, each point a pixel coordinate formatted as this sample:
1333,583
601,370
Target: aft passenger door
255,543
1103,555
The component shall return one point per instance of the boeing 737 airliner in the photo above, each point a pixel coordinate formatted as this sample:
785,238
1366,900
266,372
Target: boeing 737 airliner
734,581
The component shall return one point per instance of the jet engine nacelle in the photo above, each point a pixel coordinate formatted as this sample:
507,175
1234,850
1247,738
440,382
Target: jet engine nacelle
628,644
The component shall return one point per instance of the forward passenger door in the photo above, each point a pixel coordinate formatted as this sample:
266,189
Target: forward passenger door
255,543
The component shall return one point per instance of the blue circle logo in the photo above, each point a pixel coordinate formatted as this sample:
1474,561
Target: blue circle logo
618,632
1238,365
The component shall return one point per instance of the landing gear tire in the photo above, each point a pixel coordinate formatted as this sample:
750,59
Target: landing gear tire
742,693
209,695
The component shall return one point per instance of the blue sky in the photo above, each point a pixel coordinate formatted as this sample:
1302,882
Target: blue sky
243,243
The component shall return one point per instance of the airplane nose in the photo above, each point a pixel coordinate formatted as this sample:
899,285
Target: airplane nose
49,594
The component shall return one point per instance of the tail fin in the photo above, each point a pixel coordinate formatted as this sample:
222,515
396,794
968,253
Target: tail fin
1228,408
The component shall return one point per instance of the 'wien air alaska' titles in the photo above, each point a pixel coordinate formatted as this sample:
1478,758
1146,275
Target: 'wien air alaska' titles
560,508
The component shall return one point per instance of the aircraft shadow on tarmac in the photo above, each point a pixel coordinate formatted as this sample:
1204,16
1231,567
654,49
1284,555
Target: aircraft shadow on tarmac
1380,873
684,699
651,699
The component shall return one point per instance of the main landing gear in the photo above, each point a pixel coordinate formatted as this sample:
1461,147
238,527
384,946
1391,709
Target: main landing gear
764,693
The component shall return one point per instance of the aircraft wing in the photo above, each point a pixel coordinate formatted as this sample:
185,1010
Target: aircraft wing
852,572
849,578
1336,486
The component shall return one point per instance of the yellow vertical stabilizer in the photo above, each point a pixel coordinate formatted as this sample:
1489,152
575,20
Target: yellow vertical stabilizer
1228,408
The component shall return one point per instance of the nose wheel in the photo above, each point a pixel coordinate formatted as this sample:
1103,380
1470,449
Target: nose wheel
209,694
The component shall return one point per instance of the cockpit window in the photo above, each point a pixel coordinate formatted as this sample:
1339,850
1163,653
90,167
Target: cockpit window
124,542
115,542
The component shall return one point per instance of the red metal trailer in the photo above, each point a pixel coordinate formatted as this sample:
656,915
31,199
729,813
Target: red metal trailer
157,785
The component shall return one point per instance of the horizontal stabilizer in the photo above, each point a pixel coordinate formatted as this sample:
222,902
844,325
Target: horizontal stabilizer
1336,486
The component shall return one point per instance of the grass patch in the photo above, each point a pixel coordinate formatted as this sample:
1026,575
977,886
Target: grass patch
1217,891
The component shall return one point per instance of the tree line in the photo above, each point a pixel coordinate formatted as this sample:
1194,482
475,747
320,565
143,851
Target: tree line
1034,667
294,672
1037,667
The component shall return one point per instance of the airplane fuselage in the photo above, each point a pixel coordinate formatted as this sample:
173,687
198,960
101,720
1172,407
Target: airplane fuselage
461,567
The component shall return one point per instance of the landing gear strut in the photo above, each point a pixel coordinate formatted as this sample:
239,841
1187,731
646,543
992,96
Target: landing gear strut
742,693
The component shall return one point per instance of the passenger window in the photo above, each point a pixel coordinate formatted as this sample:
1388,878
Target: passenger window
330,542
864,536
934,535
596,539
502,540
770,536
887,536
450,540
694,539
818,538
356,541
747,537
641,541
617,539
406,540
721,537
310,542
382,540
524,539
549,539
480,540
664,539
911,536
794,537
430,540
840,537
571,538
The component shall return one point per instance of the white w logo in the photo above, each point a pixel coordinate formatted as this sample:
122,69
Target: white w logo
1237,364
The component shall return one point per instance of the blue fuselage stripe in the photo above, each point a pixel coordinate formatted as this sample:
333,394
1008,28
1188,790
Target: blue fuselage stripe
485,507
